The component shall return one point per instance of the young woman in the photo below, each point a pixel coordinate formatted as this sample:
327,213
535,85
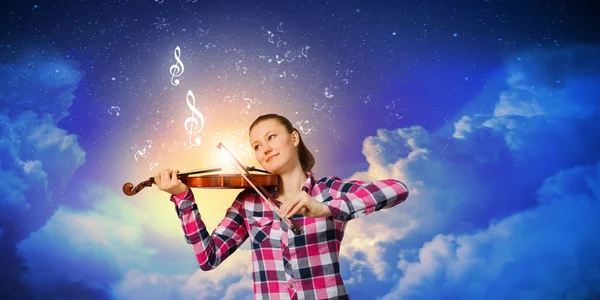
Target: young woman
285,265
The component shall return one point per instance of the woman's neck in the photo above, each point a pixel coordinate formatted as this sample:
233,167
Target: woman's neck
292,182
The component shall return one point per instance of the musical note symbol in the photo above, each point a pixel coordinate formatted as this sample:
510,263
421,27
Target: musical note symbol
191,123
248,102
139,153
299,123
175,70
282,75
116,109
391,106
304,51
328,92
387,118
319,109
289,57
279,28
153,165
201,32
368,100
149,143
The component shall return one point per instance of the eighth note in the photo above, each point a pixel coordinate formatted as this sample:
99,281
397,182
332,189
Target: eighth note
116,109
248,102
175,70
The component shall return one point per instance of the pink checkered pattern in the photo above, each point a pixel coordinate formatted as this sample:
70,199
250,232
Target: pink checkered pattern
285,265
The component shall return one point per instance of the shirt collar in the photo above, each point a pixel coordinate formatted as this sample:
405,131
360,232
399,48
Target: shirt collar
307,186
310,182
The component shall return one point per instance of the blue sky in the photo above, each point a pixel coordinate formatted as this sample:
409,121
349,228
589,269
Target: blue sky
494,130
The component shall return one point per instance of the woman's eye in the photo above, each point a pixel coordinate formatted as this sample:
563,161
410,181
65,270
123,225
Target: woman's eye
256,147
272,135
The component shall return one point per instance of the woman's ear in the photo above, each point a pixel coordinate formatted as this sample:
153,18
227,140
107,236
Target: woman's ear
295,138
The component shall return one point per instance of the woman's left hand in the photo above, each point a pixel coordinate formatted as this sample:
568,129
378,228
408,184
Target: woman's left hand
304,204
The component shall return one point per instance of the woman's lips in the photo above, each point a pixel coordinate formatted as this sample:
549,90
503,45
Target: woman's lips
269,159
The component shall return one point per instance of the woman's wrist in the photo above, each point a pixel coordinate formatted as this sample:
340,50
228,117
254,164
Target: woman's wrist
325,212
182,188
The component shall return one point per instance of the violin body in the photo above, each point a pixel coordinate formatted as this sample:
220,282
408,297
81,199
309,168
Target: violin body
230,181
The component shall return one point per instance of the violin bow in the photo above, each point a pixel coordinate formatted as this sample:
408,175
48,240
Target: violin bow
297,230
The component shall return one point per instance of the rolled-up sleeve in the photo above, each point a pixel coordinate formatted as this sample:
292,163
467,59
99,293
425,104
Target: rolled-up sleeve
353,198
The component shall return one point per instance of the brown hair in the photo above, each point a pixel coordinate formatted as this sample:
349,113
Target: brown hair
307,160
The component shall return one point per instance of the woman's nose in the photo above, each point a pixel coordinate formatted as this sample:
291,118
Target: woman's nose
268,149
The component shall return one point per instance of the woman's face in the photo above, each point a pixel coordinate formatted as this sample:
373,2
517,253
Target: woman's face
274,148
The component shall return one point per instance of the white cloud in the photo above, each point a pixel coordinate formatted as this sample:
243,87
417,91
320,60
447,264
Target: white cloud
545,252
485,170
462,127
92,247
114,247
231,280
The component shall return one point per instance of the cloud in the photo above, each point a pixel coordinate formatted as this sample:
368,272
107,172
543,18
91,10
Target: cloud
231,280
547,252
37,157
486,170
41,83
114,249
92,248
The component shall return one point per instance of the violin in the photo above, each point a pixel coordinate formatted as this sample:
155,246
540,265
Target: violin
225,181
242,180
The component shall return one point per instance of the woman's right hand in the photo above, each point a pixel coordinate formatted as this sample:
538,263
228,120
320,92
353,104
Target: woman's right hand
166,180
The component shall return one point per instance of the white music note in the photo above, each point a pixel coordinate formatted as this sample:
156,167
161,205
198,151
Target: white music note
304,50
387,118
175,70
328,92
116,109
191,124
391,106
139,153
248,102
299,123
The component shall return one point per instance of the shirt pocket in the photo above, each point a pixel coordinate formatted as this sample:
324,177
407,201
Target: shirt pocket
260,228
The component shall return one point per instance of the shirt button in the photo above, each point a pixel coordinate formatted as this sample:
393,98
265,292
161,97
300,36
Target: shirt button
291,285
288,266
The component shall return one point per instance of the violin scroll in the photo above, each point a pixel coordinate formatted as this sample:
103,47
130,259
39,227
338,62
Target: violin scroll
130,190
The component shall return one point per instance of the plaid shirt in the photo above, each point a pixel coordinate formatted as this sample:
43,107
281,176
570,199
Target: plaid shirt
285,265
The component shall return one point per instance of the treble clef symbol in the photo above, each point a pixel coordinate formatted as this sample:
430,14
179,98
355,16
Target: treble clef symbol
191,123
175,70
